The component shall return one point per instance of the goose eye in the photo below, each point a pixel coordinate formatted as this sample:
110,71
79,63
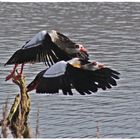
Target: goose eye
77,46
94,63
83,49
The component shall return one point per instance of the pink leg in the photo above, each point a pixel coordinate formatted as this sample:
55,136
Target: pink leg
12,73
21,72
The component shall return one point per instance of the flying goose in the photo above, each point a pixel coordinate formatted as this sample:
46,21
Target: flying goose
84,77
48,47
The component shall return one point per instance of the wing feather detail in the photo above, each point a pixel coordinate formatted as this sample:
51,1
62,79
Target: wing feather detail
46,52
82,80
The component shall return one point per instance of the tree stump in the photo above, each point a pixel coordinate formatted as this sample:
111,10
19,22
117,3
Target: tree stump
17,119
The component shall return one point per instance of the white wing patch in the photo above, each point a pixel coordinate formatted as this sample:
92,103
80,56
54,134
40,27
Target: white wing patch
36,40
55,70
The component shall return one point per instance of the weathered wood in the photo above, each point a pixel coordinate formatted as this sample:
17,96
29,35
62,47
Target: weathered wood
24,109
14,108
17,119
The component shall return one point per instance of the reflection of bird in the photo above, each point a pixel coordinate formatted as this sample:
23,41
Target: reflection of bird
75,73
46,47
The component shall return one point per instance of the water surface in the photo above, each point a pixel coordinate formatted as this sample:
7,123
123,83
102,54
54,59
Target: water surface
111,32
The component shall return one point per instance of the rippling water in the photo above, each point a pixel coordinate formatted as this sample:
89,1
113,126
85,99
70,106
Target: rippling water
111,32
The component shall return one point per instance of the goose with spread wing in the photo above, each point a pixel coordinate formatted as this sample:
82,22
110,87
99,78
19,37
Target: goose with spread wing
48,47
84,76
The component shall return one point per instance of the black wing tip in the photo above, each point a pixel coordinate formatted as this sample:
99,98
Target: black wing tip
43,91
114,71
9,63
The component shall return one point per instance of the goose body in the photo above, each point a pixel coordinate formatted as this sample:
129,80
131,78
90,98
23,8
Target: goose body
46,47
85,78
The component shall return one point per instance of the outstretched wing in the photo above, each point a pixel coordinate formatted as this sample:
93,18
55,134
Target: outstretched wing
88,81
68,46
41,48
83,80
44,51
